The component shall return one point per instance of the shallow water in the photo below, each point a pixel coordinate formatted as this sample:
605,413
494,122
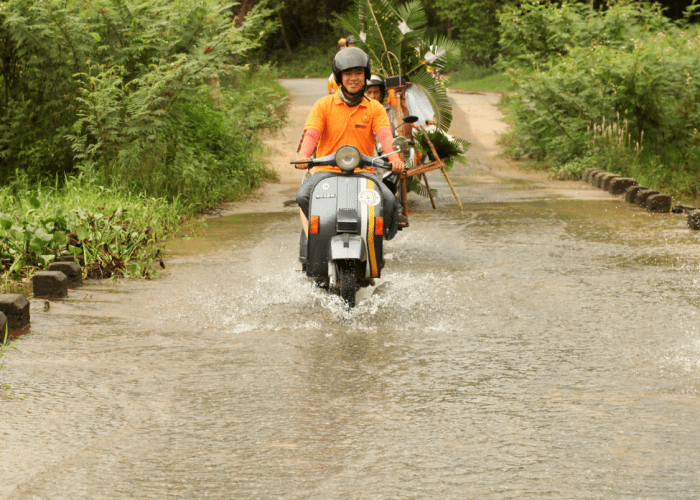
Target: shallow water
547,349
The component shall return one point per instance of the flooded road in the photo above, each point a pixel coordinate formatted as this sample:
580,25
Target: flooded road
542,343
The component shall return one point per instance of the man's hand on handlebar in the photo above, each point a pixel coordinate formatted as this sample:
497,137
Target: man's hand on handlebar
397,166
302,166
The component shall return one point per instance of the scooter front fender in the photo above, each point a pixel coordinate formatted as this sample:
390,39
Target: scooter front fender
348,246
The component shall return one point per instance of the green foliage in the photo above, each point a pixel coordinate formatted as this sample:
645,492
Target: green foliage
116,233
395,39
591,74
108,86
307,61
203,155
478,79
447,147
536,34
474,25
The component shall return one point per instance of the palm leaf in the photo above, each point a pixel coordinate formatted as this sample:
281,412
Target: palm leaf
415,185
437,95
447,147
395,40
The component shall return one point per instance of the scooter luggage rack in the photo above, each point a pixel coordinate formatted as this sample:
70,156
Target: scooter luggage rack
419,169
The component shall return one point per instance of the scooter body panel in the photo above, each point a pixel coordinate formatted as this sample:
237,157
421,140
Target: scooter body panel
346,205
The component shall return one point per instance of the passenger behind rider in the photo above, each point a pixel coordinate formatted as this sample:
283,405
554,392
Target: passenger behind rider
376,89
348,117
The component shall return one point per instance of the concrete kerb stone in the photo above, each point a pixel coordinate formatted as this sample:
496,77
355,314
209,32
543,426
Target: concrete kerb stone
71,270
15,307
620,185
602,178
694,219
631,193
593,179
642,196
587,173
607,180
659,203
599,178
52,284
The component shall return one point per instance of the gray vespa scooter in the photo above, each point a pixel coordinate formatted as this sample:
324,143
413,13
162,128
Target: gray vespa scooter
344,248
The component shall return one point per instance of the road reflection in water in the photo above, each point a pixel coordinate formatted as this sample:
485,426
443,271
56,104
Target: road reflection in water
546,349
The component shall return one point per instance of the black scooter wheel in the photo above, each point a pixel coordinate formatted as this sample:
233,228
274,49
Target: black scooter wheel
348,282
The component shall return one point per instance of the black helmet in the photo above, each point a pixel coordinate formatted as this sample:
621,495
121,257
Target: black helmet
350,58
350,39
377,81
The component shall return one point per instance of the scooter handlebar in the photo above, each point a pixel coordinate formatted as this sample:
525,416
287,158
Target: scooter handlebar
378,162
301,165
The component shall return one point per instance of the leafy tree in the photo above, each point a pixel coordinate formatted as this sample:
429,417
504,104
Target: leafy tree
474,24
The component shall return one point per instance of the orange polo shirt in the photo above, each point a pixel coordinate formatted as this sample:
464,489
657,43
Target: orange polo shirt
392,99
339,124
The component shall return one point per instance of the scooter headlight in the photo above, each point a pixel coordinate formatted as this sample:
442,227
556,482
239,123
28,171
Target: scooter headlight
401,144
347,158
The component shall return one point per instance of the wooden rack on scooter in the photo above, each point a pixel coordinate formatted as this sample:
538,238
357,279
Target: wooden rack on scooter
420,168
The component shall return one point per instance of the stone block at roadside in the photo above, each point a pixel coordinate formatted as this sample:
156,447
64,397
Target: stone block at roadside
50,284
72,271
642,196
631,193
587,173
659,203
15,307
620,185
607,180
593,178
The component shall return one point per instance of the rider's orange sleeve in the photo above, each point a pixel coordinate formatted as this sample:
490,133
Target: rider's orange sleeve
385,139
311,137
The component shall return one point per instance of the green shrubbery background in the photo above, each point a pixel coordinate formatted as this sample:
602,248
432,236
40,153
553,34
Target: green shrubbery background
617,89
119,90
111,103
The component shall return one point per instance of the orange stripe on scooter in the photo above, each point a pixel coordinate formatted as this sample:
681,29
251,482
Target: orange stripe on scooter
370,237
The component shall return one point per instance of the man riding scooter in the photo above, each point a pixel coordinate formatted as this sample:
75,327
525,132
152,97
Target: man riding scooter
348,117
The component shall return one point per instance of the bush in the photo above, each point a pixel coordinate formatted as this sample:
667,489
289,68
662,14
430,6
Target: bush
632,78
120,92
115,232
